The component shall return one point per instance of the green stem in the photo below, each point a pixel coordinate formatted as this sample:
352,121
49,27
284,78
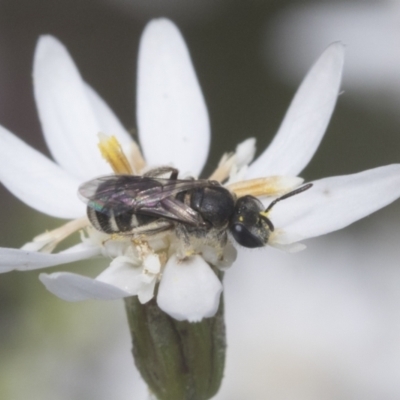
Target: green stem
178,360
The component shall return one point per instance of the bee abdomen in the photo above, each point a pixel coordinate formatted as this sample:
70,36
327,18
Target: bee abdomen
121,223
99,220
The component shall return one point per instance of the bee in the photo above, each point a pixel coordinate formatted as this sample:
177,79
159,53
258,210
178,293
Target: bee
197,210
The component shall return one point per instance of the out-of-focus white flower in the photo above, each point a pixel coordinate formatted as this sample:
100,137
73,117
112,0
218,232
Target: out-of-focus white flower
174,130
370,31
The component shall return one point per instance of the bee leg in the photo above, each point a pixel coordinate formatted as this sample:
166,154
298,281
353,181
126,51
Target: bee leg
182,233
161,172
194,240
151,229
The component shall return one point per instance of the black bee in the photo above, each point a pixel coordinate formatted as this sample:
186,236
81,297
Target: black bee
195,208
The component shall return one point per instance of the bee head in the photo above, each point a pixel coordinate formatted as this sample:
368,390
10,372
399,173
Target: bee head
248,225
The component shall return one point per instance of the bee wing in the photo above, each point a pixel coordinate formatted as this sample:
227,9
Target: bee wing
167,188
117,194
113,194
174,209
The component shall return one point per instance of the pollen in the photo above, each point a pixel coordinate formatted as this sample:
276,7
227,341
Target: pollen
112,152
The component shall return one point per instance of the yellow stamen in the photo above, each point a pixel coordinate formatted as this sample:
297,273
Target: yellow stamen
112,152
224,168
136,158
49,240
270,186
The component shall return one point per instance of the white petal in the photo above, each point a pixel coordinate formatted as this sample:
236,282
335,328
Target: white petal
306,119
69,123
287,247
74,287
189,289
36,180
245,152
171,113
108,121
146,293
22,260
333,203
123,274
152,263
213,257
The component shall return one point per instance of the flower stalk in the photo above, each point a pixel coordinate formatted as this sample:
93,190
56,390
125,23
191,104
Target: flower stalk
178,360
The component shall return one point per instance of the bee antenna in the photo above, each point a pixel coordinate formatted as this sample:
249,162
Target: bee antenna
287,195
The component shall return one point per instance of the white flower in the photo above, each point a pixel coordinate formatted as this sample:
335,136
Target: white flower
174,130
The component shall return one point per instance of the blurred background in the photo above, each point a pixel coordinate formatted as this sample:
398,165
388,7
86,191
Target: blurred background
321,324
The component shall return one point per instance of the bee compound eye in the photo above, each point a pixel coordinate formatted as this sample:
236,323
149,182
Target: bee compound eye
245,237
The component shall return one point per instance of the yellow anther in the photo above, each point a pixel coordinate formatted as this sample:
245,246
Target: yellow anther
224,168
112,152
135,157
269,186
47,241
